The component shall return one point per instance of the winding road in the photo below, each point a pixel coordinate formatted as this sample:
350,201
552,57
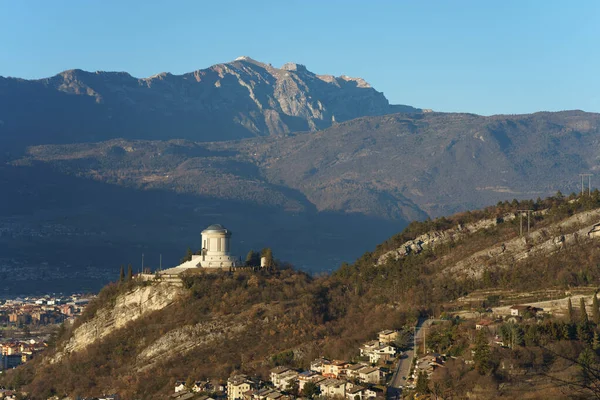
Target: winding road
400,376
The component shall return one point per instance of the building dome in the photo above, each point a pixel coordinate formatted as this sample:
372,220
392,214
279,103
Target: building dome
216,228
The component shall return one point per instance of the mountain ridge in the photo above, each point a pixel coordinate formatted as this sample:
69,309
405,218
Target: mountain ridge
238,99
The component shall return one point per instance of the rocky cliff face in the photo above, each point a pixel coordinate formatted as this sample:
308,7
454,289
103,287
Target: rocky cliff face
432,239
129,307
575,231
242,98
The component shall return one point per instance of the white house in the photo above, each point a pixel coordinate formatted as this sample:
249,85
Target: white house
333,387
369,375
236,387
283,377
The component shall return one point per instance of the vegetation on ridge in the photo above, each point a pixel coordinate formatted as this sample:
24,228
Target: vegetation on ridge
260,318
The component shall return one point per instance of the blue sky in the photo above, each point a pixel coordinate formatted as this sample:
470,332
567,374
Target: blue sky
486,57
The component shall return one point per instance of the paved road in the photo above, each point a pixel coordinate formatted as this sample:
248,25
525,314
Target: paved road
401,374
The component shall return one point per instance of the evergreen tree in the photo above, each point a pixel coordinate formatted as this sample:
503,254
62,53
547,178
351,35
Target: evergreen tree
310,390
584,333
595,310
188,255
531,336
570,310
122,274
422,383
596,342
483,354
505,333
252,259
567,331
129,273
268,254
584,320
587,361
189,383
516,336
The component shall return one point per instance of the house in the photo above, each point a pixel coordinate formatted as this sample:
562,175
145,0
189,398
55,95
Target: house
333,388
382,352
387,336
283,377
520,310
484,323
179,386
334,368
375,392
369,375
309,376
356,393
369,347
237,385
428,364
318,365
266,394
204,386
351,371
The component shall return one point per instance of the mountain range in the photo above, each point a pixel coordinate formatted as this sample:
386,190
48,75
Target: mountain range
102,167
239,99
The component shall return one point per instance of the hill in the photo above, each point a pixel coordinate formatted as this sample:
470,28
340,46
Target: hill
138,338
239,99
319,190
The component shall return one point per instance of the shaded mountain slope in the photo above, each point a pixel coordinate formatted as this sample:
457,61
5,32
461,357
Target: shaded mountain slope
442,162
318,190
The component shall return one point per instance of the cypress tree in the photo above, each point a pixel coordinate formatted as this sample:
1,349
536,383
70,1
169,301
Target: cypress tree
483,353
188,255
584,320
129,273
251,259
268,254
570,310
595,310
122,274
516,336
596,342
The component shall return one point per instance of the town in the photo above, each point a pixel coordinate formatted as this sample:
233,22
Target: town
27,324
367,377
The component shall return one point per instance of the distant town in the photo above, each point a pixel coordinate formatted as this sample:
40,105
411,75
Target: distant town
26,324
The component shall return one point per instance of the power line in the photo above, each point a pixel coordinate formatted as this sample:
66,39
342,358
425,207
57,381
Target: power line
589,183
521,221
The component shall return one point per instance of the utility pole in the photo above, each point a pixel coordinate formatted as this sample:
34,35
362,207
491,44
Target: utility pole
415,341
521,221
142,263
160,263
589,184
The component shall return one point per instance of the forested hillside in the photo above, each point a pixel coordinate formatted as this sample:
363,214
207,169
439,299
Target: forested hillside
240,321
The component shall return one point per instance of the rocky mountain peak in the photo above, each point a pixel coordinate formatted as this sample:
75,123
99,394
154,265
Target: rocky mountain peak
233,100
293,67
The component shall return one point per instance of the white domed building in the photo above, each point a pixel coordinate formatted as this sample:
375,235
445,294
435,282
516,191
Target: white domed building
215,248
215,253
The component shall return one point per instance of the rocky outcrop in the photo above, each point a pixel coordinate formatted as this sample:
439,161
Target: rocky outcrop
183,339
128,307
431,239
580,228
